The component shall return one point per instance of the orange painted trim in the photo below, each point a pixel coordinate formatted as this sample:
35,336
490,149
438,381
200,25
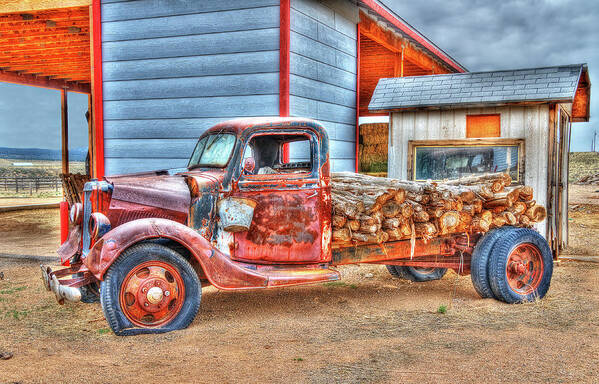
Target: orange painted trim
413,34
64,221
98,103
483,125
284,63
358,98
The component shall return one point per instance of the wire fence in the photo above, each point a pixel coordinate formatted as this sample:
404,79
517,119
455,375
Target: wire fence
31,185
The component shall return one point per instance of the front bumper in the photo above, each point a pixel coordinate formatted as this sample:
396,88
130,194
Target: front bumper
68,289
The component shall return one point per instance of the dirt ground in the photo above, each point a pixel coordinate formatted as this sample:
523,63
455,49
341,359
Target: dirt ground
368,328
12,201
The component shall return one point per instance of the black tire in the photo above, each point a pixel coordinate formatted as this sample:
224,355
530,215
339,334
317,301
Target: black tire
90,293
418,274
542,267
132,258
480,261
393,271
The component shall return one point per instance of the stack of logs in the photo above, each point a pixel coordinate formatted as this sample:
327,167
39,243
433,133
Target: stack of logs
375,210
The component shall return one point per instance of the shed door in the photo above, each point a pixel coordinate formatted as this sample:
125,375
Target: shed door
564,131
558,200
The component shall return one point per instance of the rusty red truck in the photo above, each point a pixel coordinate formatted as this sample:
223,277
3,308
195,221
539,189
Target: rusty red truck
252,210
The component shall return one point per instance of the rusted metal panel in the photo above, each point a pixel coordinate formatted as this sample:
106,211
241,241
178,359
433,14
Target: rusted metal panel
204,188
167,192
71,246
457,262
220,270
370,253
286,228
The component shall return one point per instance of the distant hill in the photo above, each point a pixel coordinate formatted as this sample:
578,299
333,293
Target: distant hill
75,154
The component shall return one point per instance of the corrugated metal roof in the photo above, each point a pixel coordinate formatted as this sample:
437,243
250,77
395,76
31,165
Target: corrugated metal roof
477,88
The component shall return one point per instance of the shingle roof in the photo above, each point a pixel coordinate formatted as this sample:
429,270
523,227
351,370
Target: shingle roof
477,88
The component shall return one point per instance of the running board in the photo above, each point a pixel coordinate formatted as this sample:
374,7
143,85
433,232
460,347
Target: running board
286,276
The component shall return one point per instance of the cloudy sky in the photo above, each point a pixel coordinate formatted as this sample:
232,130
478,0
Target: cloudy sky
480,34
509,34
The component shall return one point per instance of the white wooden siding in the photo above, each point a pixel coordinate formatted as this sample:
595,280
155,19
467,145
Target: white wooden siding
528,123
323,72
172,69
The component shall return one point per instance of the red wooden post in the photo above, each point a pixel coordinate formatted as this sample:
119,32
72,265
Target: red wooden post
357,98
98,104
64,221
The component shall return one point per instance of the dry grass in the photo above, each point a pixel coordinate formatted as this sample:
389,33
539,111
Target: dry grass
583,164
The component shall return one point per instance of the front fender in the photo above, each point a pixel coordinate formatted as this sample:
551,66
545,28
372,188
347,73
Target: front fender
217,266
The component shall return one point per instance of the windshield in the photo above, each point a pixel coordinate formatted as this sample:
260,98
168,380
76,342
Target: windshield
213,151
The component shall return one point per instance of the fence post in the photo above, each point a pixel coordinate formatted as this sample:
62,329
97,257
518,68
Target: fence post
37,185
17,184
30,188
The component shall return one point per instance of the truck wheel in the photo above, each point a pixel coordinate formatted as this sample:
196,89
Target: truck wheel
480,261
520,267
150,289
417,274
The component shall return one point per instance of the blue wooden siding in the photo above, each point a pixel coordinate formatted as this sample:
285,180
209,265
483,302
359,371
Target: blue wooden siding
172,69
323,72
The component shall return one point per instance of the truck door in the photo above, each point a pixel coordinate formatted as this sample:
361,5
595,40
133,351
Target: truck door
287,222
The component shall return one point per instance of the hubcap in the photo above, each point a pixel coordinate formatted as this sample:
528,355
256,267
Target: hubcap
524,269
152,294
155,295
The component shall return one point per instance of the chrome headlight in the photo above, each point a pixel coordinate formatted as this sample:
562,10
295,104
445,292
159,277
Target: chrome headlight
76,214
99,225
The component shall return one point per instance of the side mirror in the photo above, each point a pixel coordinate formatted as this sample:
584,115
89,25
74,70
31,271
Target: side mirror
249,165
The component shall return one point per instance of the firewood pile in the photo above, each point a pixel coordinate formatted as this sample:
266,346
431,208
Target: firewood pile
590,180
375,210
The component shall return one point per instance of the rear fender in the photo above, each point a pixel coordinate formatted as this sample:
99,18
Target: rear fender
217,266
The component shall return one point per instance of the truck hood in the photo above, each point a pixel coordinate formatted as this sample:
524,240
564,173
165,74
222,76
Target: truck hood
163,190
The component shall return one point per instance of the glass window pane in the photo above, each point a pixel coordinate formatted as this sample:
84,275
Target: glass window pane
213,150
452,162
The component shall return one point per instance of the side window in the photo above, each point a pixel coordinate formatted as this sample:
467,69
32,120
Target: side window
281,154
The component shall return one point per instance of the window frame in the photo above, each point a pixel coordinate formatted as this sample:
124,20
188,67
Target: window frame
413,144
314,148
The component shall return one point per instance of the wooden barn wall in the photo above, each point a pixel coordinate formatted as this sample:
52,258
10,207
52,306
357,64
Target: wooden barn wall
323,72
528,123
172,69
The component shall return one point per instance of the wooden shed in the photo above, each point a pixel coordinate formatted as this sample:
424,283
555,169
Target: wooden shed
515,121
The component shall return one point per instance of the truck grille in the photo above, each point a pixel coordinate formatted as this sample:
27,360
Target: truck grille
88,189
